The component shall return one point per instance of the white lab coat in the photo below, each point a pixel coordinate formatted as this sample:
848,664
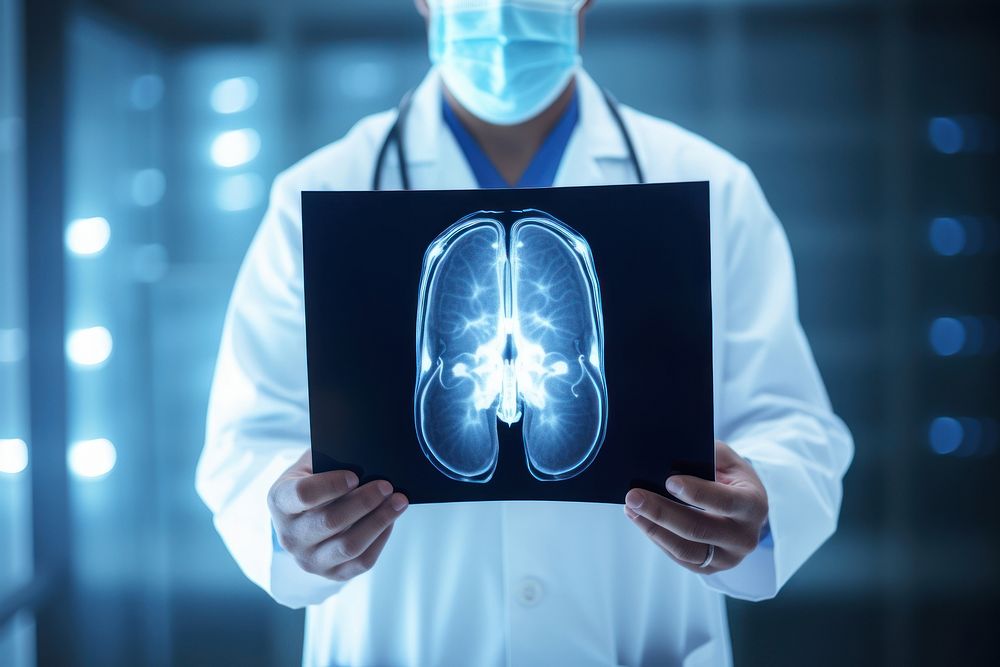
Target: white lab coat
528,583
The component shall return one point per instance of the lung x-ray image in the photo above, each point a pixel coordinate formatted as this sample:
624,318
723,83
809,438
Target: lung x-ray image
510,344
509,328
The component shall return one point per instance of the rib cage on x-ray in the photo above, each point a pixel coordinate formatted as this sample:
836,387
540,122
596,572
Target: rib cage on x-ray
510,329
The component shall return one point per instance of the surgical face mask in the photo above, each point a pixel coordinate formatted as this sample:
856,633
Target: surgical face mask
505,61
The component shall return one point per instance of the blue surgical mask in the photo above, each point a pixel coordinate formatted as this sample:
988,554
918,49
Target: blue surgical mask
505,61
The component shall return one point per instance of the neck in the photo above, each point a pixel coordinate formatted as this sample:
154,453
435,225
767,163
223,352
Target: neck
511,147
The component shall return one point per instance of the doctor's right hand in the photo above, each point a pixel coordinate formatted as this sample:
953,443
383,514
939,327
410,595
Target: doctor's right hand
330,525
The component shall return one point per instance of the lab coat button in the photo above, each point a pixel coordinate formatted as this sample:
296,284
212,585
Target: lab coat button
529,591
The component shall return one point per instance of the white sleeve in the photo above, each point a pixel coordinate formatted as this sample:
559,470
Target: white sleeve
774,409
258,414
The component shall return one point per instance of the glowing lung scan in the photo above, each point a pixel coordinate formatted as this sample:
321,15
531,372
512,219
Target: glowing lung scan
509,330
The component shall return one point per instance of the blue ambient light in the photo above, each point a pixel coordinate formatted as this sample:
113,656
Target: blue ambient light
946,135
947,336
234,95
945,435
947,236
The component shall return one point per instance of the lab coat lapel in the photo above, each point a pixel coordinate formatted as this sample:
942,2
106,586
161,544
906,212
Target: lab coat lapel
435,159
579,166
596,150
451,171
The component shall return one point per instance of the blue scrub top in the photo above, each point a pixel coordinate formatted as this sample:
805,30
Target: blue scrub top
541,173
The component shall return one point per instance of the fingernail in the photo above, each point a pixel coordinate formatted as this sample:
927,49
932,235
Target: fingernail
629,513
634,499
352,480
384,487
674,487
399,502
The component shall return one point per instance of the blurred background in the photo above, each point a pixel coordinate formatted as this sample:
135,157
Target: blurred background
138,140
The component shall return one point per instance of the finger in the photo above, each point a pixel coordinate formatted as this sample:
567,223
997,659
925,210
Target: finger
295,495
715,497
364,562
342,513
689,555
684,550
687,522
354,541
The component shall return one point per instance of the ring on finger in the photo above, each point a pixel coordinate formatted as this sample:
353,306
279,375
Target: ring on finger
708,556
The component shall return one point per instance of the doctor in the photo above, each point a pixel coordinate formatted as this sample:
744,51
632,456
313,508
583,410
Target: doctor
507,104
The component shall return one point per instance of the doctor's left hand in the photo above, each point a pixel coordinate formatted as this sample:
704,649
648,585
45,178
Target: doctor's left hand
329,524
722,528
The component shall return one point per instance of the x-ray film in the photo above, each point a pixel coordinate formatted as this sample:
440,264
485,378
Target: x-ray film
534,344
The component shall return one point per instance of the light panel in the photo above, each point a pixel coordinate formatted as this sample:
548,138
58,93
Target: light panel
13,456
235,147
89,347
92,459
88,236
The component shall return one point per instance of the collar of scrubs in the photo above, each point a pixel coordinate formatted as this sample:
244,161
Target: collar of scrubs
541,171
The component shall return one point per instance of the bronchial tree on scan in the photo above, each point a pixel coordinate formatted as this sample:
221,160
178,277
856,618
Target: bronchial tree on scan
510,328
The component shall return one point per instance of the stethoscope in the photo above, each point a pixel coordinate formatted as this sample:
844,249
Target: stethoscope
395,137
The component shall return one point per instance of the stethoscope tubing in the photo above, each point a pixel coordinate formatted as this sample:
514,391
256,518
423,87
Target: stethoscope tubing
395,137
